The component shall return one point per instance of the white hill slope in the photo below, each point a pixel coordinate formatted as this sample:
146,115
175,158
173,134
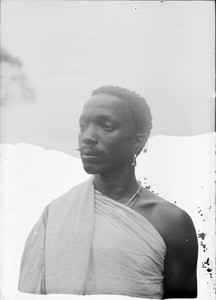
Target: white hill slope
179,169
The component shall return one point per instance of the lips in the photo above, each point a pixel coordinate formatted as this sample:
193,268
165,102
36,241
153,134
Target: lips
87,153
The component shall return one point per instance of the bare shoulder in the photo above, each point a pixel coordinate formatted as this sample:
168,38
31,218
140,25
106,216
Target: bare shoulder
177,230
156,204
165,216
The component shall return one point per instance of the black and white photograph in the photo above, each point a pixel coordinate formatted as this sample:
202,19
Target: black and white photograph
107,169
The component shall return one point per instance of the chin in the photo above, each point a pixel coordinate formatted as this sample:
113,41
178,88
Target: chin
95,168
90,169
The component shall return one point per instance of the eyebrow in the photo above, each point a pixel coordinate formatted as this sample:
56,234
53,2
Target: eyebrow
100,118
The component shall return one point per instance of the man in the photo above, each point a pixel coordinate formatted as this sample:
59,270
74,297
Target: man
109,235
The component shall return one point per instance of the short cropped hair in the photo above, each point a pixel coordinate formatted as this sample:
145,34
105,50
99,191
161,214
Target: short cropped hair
139,109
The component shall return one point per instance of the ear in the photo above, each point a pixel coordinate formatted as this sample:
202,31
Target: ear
139,142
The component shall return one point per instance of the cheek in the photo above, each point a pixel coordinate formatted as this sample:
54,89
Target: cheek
79,138
119,148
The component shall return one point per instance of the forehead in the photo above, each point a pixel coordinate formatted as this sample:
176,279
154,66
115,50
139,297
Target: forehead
106,104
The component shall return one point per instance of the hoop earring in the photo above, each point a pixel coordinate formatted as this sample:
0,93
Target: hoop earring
145,147
133,164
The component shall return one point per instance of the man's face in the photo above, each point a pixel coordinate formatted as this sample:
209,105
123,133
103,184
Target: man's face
106,135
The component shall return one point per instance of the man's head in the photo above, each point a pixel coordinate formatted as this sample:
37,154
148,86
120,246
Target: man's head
115,124
137,106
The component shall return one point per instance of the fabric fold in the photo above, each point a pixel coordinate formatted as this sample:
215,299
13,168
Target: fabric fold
56,253
68,240
127,256
86,243
31,279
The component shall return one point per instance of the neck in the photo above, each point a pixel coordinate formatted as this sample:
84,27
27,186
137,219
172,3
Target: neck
119,185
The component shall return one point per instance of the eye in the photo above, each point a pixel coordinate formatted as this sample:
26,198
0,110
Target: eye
83,126
107,127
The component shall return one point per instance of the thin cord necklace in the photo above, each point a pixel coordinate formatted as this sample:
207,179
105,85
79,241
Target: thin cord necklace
135,196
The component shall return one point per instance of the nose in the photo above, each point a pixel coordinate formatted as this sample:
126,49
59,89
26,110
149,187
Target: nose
89,137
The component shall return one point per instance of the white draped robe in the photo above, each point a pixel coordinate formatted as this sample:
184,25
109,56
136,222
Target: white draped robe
86,243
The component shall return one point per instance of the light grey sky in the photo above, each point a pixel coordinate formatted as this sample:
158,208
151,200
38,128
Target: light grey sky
163,51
